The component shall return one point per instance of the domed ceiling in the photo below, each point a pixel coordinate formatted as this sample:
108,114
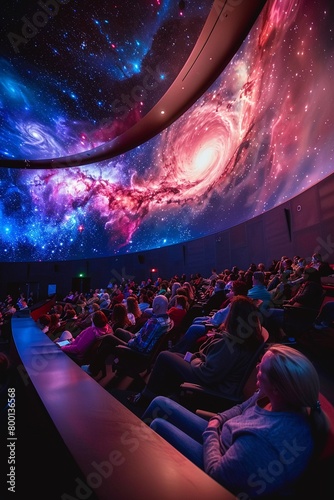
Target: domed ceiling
122,131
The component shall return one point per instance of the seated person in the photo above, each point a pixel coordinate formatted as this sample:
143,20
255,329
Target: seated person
143,341
199,327
43,322
120,318
322,266
57,309
259,292
105,301
85,319
236,447
70,323
285,268
82,342
180,291
220,362
217,318
309,295
143,301
298,269
282,292
178,312
135,315
155,326
216,299
54,325
174,288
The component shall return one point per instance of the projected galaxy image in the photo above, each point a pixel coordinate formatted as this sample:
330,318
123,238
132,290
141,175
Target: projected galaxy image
261,134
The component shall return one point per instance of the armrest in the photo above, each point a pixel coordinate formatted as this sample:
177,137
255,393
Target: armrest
205,414
196,388
195,396
291,306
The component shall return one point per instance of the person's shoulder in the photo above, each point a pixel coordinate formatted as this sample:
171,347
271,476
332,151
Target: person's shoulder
88,329
161,317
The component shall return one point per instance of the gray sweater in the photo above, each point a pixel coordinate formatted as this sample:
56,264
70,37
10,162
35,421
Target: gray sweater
221,362
254,452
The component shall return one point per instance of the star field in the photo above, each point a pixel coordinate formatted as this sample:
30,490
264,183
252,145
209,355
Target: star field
259,136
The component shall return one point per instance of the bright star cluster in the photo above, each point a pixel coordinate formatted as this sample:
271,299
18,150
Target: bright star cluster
260,135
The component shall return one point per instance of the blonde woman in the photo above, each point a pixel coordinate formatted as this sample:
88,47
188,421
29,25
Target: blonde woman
263,446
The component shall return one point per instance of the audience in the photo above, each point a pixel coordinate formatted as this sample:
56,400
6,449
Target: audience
117,297
236,445
201,325
219,363
309,295
247,437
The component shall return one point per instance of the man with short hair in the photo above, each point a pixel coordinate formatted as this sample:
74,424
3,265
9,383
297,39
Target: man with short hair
259,292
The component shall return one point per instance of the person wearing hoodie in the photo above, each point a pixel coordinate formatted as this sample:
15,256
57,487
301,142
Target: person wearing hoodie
78,348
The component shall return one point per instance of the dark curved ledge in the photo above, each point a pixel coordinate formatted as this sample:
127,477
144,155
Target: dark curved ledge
119,456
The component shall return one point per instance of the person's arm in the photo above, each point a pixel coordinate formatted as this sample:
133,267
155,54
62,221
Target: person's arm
212,366
232,465
220,316
211,435
237,467
81,343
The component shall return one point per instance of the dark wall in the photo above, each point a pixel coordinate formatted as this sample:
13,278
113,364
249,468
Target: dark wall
301,226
